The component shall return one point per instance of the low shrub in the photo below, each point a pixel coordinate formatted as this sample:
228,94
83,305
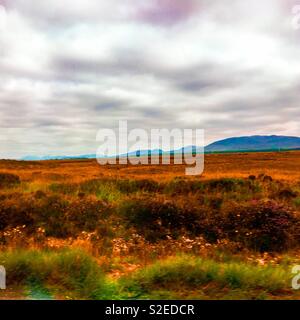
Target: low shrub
50,214
223,185
125,186
85,214
16,211
265,178
92,186
182,186
157,218
287,194
57,216
104,189
39,194
226,184
63,188
131,186
263,226
8,180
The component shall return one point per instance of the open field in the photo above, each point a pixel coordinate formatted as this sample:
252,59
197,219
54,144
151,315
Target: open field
281,165
76,230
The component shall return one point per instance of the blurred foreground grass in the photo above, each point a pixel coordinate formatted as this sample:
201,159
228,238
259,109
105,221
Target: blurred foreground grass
73,274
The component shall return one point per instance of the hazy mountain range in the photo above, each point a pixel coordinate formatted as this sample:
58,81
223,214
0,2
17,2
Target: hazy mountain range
235,144
254,143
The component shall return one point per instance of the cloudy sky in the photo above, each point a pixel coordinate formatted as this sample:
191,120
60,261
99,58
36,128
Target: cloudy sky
71,67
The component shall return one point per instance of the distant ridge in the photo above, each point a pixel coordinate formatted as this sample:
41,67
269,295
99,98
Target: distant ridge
255,143
40,158
234,144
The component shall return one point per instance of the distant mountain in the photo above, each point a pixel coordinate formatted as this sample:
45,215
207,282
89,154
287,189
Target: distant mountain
40,158
142,153
251,143
254,143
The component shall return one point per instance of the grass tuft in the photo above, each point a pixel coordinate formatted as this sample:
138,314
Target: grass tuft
192,273
69,270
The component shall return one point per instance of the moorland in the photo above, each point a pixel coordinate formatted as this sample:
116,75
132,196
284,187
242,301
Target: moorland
72,229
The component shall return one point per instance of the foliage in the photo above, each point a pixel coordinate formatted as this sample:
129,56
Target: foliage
8,180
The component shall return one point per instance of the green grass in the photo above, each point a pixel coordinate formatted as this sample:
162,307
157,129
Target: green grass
64,188
297,202
115,190
109,193
68,270
74,274
186,274
37,291
103,190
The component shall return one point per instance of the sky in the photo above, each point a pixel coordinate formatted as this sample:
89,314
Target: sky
69,68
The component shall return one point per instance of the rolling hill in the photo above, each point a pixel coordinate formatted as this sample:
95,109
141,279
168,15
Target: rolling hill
254,143
235,144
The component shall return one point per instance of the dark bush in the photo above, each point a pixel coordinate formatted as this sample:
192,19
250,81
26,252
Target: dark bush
62,219
267,179
126,186
215,202
33,212
58,217
225,184
263,226
85,214
287,194
50,213
64,188
8,180
92,186
182,186
16,212
156,219
131,186
40,194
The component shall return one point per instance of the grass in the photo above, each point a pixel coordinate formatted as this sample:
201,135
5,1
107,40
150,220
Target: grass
297,202
188,273
131,221
70,271
74,274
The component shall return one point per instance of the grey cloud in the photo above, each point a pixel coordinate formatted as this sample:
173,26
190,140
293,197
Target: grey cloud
229,67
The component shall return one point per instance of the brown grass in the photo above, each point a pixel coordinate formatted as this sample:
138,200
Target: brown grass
244,207
280,165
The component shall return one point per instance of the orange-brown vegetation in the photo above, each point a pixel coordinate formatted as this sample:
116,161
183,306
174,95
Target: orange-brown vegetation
244,209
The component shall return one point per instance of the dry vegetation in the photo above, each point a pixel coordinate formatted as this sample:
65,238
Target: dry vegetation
74,229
